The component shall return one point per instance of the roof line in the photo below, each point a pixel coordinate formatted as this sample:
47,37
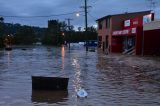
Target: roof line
122,14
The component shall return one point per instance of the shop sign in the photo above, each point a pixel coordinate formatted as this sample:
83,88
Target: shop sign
127,23
133,31
124,32
147,18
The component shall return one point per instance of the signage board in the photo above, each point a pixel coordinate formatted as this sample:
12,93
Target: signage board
147,18
127,23
129,31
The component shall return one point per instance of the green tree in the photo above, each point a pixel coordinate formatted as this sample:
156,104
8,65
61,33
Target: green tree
1,19
1,31
25,35
53,35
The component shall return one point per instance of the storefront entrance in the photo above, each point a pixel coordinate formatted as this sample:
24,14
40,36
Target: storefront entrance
128,43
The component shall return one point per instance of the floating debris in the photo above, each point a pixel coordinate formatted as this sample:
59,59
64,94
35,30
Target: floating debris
82,93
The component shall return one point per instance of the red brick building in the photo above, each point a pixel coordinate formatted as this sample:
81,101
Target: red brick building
122,33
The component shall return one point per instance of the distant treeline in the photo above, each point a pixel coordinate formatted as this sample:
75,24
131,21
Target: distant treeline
57,33
20,34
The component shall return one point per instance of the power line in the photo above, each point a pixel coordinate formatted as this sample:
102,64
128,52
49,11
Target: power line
92,16
41,16
94,2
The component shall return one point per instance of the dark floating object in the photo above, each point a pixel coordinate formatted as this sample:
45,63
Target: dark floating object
41,96
49,83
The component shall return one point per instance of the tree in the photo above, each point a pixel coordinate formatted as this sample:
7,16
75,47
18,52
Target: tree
1,31
91,29
25,35
53,35
1,19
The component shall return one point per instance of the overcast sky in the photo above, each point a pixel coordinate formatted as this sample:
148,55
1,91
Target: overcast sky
99,8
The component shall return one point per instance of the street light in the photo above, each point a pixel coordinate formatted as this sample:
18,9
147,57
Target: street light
77,14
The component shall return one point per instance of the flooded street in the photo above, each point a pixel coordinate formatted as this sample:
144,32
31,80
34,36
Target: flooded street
110,80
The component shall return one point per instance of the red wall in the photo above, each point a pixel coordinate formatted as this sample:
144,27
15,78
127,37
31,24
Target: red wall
152,42
135,22
139,37
117,44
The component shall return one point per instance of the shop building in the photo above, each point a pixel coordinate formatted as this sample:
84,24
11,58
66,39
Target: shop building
123,33
151,38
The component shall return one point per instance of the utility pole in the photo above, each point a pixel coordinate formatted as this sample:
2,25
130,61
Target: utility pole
69,28
86,23
85,9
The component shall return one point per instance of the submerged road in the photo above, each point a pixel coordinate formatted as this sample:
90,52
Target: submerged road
110,80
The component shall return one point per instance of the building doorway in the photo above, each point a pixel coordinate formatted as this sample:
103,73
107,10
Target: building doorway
128,43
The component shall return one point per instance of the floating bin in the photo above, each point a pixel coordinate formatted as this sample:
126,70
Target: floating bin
49,83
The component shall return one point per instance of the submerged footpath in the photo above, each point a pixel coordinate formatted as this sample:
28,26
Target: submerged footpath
142,68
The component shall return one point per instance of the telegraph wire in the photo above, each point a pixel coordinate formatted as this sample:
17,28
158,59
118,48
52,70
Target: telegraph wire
94,2
41,16
93,18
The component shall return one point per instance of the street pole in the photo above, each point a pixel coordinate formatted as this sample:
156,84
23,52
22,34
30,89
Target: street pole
86,24
69,29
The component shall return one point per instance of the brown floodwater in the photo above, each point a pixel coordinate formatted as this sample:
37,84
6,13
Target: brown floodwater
108,80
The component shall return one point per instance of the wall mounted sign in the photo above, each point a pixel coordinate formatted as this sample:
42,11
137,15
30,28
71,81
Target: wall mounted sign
129,31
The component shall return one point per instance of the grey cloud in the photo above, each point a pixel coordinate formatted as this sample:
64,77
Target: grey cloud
49,7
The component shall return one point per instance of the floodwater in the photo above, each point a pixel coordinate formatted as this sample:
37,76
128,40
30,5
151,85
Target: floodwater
108,80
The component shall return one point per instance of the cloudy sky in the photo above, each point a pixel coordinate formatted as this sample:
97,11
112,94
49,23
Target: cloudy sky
24,11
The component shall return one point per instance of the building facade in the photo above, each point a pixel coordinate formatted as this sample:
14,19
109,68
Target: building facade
121,33
151,44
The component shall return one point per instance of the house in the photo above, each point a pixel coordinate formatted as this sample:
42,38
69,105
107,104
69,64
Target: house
122,33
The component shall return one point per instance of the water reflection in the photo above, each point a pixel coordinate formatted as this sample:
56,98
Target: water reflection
8,57
77,79
62,55
49,97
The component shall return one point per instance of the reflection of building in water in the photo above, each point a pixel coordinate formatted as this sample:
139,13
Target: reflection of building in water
119,73
9,57
49,97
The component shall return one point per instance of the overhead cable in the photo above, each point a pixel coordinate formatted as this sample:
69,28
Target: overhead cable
42,16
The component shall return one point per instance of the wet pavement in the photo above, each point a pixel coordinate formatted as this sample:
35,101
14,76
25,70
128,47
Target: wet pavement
110,80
